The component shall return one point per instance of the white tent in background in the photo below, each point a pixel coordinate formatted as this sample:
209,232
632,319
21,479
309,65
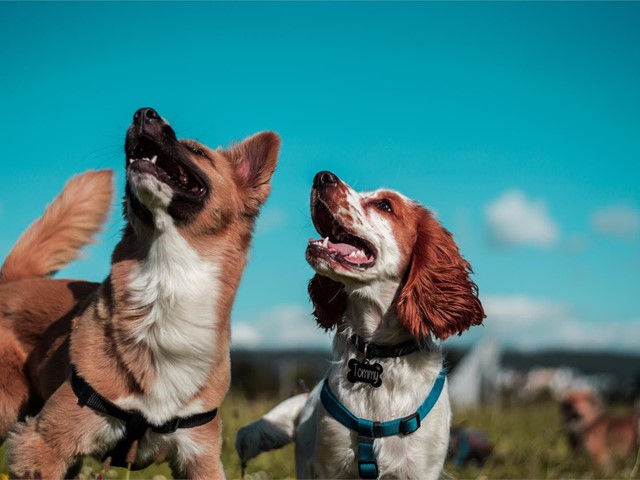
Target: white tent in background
475,379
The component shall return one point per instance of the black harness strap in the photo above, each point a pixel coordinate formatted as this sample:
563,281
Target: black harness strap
136,424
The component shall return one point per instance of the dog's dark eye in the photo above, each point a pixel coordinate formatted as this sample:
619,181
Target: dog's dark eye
197,151
384,205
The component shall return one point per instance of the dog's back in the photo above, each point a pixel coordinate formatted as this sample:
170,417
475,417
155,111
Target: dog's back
32,305
611,437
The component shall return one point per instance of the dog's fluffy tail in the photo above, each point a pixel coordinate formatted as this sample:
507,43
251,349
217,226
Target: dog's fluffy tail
68,223
275,430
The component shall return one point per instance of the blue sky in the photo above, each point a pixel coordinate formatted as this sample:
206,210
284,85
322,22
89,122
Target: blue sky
519,123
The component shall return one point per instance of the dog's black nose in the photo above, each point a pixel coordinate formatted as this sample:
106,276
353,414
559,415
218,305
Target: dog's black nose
145,115
324,178
148,123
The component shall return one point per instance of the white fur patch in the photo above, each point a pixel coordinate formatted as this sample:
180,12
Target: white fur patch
149,190
182,290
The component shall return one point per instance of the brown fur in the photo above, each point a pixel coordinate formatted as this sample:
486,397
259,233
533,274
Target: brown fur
30,305
69,223
92,324
438,297
605,438
329,300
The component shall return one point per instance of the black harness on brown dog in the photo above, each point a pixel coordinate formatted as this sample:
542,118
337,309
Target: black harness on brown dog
136,425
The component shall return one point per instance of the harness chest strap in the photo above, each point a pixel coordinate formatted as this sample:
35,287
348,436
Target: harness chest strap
136,424
368,430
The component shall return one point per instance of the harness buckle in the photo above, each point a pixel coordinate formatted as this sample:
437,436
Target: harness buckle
410,424
173,425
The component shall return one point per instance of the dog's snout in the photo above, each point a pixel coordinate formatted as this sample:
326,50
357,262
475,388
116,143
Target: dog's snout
145,115
149,124
324,179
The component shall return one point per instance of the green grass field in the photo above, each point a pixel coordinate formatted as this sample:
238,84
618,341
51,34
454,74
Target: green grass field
528,444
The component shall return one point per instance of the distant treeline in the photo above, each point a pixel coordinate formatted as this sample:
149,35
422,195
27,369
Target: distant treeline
268,373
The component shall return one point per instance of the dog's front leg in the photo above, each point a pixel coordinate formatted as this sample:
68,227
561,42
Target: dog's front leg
46,445
198,452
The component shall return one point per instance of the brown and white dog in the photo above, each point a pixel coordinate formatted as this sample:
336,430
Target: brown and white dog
154,337
390,274
605,438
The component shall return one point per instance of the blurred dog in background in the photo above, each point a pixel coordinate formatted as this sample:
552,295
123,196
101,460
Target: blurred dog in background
605,437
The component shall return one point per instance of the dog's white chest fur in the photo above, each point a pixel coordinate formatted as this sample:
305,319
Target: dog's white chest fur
182,292
407,383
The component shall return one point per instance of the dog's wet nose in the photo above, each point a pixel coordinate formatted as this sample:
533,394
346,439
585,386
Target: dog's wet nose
145,115
149,124
324,178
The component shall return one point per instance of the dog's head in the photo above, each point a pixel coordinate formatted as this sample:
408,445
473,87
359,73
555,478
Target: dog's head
197,188
579,406
369,237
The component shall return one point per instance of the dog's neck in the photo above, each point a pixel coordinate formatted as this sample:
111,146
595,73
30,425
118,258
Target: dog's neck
171,307
371,314
588,417
175,269
406,379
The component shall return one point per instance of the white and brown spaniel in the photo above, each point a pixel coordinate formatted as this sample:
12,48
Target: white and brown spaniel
391,281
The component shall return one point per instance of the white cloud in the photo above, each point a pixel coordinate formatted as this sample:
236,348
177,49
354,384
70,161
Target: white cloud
617,221
514,321
520,310
285,326
513,219
245,336
523,322
270,219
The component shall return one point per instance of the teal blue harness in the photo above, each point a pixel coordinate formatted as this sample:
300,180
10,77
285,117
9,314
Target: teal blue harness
369,430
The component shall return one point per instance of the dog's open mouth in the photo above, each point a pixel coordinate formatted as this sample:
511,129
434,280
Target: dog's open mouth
173,172
337,243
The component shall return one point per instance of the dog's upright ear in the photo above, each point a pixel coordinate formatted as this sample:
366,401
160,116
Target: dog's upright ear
329,301
437,298
254,160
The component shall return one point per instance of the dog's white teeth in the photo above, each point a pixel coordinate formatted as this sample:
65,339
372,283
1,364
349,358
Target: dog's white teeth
154,158
325,242
130,161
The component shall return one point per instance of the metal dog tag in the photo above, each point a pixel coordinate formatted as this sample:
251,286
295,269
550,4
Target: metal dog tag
370,373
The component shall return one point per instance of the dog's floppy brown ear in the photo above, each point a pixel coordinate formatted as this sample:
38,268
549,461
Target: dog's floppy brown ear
329,301
438,298
255,160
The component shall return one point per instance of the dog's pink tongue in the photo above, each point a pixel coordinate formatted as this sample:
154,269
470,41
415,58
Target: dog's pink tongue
345,250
